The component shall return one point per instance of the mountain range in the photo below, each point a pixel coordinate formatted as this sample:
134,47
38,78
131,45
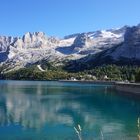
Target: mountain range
78,51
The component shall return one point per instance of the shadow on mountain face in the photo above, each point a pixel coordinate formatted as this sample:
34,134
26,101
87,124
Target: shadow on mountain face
65,50
3,56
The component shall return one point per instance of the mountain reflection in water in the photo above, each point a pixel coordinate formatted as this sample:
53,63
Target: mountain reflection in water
58,107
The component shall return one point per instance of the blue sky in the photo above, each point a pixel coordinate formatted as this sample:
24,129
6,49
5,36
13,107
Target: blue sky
64,17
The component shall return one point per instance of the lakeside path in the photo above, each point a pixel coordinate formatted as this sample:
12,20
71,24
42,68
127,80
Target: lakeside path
90,82
128,87
133,88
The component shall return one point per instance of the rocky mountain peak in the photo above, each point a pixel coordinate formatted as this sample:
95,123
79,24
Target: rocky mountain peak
5,42
27,37
81,40
40,34
32,40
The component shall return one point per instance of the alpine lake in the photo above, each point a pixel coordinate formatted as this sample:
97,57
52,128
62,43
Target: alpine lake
49,110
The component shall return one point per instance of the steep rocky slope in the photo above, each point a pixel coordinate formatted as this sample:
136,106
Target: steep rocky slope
124,53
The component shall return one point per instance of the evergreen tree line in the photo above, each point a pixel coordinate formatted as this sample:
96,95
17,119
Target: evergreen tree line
113,72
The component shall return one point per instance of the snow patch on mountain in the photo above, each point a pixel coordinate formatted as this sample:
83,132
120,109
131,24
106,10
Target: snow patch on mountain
108,34
40,68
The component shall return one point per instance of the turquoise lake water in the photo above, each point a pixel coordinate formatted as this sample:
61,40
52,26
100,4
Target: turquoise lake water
34,110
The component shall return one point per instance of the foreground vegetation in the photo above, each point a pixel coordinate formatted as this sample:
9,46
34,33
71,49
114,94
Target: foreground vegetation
106,72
